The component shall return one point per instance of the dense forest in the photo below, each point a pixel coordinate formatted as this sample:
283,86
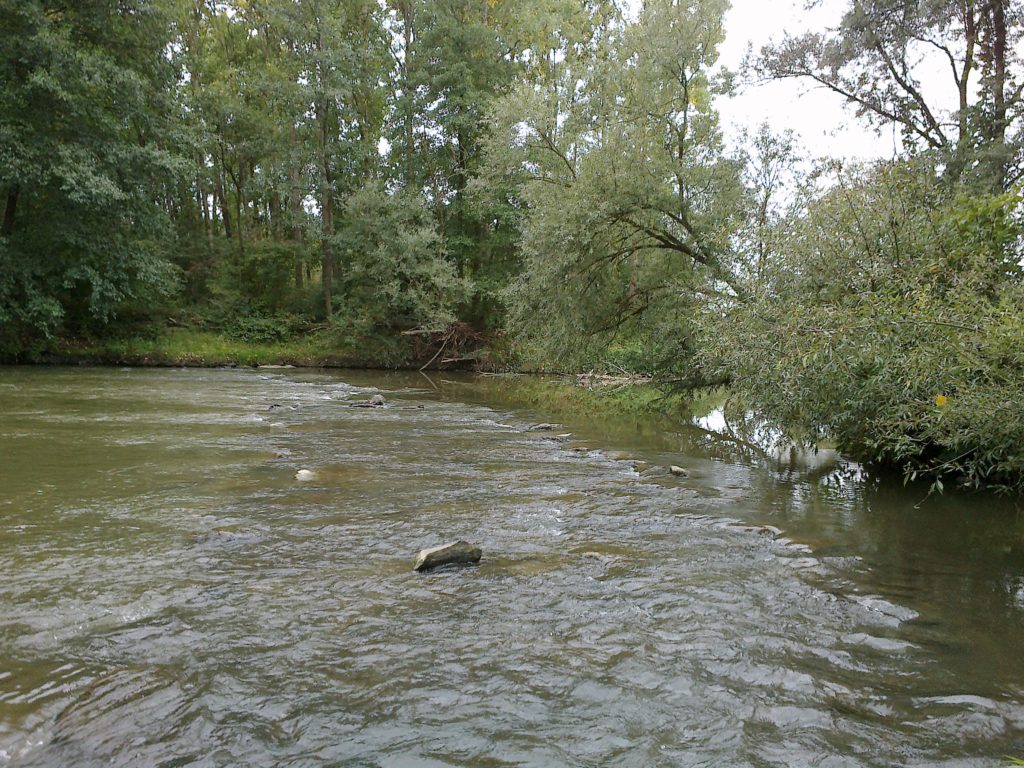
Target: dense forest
545,180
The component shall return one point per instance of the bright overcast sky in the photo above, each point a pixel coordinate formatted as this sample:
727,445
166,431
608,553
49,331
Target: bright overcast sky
824,125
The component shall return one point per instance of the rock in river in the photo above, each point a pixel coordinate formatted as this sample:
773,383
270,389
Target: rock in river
459,553
377,401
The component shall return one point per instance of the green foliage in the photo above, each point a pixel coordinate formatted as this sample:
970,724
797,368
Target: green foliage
262,330
874,57
397,276
88,139
894,325
628,199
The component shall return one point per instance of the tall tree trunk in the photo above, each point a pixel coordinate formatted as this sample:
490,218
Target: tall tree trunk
326,217
999,67
407,65
295,206
218,189
274,214
204,203
240,206
327,262
11,207
326,193
207,215
963,82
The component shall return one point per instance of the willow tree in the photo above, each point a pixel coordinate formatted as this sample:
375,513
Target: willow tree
876,57
629,197
888,320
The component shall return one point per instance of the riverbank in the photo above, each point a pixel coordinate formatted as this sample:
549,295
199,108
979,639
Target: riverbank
192,348
570,395
561,395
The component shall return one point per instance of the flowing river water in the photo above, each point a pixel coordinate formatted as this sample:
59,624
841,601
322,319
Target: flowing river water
171,594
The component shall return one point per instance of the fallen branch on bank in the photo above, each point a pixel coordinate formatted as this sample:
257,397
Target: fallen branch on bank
458,339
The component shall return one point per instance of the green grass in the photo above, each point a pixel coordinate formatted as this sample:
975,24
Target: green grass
189,347
559,396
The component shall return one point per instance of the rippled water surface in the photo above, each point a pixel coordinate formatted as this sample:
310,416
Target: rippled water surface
171,595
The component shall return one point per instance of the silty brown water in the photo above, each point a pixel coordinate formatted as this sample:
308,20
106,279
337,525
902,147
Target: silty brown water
172,595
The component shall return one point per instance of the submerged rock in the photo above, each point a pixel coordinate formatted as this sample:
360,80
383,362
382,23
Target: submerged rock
760,530
458,553
226,536
305,474
659,471
377,401
653,470
543,427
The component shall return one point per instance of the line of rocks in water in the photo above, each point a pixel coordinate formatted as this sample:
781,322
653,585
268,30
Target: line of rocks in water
462,553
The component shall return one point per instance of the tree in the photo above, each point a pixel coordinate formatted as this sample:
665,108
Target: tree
90,156
892,327
874,60
453,59
289,108
630,199
398,276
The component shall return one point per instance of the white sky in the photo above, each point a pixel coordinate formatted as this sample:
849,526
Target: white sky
823,124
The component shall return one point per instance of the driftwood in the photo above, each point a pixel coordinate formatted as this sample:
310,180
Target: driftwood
457,339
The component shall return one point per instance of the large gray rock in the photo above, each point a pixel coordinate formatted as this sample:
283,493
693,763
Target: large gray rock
459,553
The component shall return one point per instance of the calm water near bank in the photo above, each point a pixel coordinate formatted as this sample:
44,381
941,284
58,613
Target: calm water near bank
171,595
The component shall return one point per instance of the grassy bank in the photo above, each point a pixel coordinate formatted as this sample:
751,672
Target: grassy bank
562,396
198,348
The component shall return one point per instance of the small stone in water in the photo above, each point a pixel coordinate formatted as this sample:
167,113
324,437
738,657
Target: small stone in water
543,427
458,553
305,474
678,471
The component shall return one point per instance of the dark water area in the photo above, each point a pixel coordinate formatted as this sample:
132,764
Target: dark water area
171,594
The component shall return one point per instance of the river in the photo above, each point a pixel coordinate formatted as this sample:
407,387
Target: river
171,594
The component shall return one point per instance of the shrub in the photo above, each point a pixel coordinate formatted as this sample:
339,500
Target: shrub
894,325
